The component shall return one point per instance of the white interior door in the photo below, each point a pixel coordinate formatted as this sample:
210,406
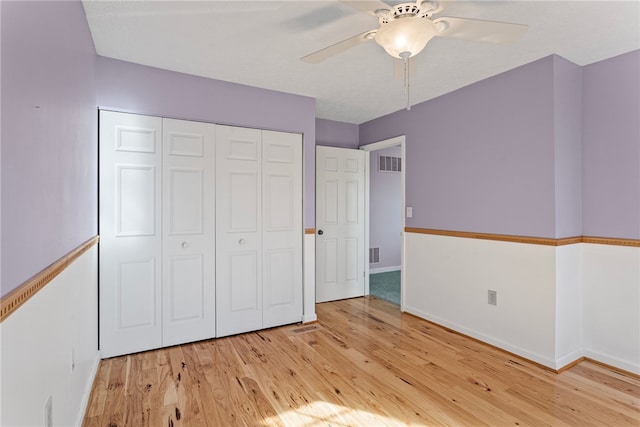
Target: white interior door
281,228
238,230
340,223
130,233
188,285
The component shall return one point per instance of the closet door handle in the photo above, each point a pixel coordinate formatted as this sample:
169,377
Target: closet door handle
320,232
241,242
185,245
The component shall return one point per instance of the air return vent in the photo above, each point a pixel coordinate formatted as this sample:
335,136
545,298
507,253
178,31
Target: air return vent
390,164
374,255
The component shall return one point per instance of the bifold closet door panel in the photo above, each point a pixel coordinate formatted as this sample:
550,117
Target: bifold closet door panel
188,217
238,230
281,228
130,233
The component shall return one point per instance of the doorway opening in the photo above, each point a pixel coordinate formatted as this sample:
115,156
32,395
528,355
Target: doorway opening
385,219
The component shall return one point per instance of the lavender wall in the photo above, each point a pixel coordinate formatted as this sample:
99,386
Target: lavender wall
128,87
611,147
385,210
337,134
567,111
481,158
49,127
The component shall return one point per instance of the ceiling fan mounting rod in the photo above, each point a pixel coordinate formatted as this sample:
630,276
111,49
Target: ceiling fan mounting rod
405,59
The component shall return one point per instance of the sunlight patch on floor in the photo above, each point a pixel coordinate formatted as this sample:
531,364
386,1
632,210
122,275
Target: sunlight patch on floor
319,413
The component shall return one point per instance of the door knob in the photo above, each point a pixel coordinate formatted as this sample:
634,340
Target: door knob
320,232
241,242
185,245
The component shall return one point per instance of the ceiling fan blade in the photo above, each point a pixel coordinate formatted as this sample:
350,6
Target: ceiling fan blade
367,6
431,6
165,8
479,30
322,54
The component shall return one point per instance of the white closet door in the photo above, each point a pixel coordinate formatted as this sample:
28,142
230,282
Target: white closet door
188,285
238,230
281,228
130,233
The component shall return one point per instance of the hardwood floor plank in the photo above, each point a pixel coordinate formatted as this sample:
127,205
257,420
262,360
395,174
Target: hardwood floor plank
152,369
98,395
395,387
363,364
198,361
594,390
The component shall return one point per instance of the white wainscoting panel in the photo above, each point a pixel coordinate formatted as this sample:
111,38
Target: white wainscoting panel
569,339
447,279
555,304
611,299
309,293
39,341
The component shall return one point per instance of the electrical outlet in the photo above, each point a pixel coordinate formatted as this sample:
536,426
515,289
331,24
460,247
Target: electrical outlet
492,297
48,412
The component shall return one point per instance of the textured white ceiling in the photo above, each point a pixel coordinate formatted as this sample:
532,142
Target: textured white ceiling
260,43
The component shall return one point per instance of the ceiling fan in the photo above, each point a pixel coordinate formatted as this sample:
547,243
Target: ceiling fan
406,28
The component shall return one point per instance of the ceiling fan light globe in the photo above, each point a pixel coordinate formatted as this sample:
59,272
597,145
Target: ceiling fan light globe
408,34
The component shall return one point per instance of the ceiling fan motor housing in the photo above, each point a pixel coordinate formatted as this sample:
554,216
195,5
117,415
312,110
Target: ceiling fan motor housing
403,10
406,34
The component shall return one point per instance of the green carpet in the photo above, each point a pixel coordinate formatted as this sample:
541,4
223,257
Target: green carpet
386,286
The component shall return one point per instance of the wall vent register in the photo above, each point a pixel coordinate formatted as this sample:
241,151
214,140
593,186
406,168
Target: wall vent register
389,164
374,255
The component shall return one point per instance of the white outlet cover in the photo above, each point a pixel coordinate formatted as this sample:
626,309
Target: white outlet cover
492,297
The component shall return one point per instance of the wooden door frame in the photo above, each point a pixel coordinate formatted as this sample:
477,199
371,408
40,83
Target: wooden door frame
379,145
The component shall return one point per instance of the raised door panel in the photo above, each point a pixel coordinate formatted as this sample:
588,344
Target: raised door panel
242,206
279,198
244,281
186,194
329,196
238,230
352,238
282,228
135,200
186,289
135,296
130,234
330,257
188,231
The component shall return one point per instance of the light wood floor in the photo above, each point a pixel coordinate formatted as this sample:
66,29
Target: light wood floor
363,364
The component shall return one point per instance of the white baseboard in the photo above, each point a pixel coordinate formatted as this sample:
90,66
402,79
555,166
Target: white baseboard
309,318
626,365
385,269
568,359
87,394
484,338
